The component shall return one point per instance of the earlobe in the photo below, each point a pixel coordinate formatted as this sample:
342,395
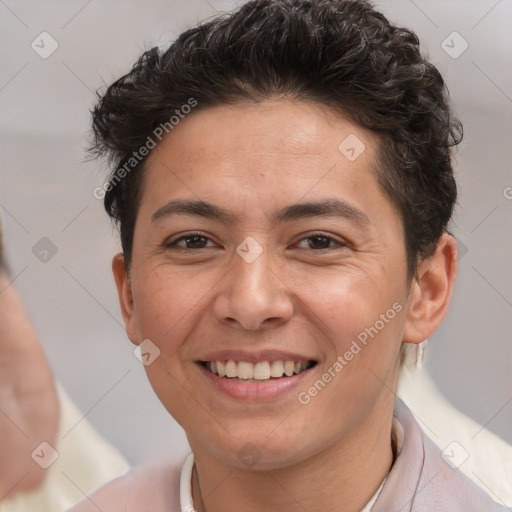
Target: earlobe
431,291
124,291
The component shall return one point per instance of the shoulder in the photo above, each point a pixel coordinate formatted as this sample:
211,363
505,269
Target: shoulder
433,476
446,484
484,458
154,487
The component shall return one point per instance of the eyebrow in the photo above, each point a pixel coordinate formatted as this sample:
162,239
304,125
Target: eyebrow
324,208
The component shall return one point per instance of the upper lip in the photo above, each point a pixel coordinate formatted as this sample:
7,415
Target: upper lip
255,357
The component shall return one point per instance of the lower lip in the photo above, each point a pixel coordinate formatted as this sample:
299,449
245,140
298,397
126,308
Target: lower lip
264,390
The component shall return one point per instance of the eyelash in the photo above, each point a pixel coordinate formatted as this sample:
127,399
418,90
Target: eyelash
173,244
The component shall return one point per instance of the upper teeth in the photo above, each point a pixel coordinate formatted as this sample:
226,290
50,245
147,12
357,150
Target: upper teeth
259,371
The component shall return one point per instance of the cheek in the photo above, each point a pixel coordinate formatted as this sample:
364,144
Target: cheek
163,300
352,305
362,319
163,305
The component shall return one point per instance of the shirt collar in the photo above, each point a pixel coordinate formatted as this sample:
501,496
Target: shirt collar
187,503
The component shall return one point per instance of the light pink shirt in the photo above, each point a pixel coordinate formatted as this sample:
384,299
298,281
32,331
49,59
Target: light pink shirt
419,481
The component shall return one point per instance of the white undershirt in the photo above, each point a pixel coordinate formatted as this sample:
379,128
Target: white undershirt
187,503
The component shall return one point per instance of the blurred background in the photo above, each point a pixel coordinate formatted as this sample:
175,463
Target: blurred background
55,54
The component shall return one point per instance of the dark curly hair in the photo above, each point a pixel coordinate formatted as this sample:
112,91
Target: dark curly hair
339,53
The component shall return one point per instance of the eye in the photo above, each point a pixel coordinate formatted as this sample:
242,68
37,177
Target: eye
319,241
316,241
189,241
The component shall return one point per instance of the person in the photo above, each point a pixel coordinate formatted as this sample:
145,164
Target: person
282,181
50,454
29,406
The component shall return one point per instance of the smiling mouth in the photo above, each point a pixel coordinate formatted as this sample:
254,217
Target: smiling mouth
244,371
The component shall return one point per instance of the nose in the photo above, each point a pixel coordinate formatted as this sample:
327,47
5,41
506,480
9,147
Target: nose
253,297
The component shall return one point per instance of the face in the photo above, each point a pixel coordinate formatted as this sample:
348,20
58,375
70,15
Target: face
266,250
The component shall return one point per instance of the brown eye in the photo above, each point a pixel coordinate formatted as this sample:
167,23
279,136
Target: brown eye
195,242
190,241
319,242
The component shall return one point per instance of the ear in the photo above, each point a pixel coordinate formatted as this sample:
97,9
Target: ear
431,291
124,291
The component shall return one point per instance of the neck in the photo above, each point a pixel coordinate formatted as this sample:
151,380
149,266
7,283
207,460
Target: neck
343,477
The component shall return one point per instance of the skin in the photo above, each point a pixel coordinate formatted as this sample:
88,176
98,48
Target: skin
29,405
254,159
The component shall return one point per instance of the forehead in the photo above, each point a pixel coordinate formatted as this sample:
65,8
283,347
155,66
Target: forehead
259,154
271,128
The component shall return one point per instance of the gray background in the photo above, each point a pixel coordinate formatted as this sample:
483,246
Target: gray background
46,191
